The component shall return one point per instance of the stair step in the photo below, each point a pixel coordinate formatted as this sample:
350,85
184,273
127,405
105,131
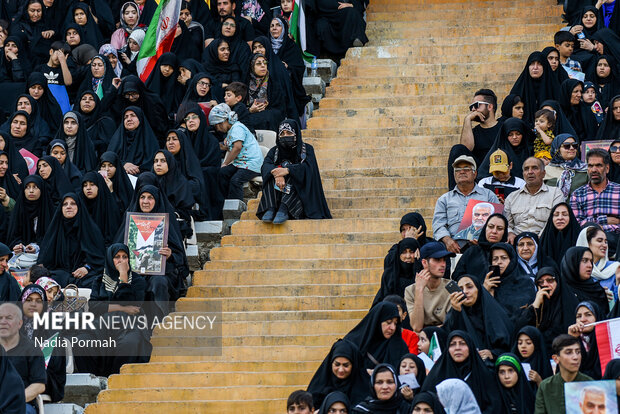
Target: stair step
277,303
308,238
265,277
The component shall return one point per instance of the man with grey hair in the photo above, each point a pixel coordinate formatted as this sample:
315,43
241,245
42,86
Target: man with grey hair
479,215
593,400
528,209
451,206
24,355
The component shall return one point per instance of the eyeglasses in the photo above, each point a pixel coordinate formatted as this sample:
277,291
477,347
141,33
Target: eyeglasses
229,24
476,104
464,169
574,145
545,281
614,148
203,83
191,117
132,95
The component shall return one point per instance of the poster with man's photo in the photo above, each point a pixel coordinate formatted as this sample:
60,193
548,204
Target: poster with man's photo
591,397
476,214
145,234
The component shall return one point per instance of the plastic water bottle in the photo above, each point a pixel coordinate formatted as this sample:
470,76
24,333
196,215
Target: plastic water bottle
313,67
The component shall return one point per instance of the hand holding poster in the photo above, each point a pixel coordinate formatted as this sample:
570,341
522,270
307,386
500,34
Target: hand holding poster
591,397
145,235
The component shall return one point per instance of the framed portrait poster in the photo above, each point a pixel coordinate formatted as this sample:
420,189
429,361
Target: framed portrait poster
476,214
145,234
588,145
591,397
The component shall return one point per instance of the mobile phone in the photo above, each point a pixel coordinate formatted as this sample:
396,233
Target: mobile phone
495,270
452,287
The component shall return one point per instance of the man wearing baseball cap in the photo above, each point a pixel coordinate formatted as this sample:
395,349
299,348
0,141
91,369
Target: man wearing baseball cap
451,206
427,299
501,183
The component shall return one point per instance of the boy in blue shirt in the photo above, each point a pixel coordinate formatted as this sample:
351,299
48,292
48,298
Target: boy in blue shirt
244,157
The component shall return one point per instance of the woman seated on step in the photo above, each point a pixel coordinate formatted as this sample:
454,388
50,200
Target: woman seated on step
291,179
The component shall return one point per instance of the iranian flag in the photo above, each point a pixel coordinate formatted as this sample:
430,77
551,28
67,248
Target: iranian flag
608,341
159,36
297,24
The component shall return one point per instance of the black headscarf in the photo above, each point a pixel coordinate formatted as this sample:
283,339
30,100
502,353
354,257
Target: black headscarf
17,164
331,399
324,382
149,102
485,321
37,125
9,71
174,184
29,141
205,144
279,73
421,368
608,87
560,74
48,105
91,32
303,173
12,397
519,399
586,290
225,72
148,183
71,243
473,371
614,169
517,155
610,41
57,184
123,190
553,242
556,313
538,361
534,91
395,405
431,399
509,102
84,155
516,289
191,95
137,146
370,340
103,209
397,275
104,83
590,361
580,116
562,124
167,88
188,164
610,128
475,260
416,220
21,226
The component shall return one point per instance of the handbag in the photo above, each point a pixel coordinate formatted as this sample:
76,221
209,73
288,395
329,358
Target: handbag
72,303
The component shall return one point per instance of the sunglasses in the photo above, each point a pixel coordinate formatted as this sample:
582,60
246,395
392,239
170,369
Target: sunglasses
546,281
476,105
191,117
614,148
574,145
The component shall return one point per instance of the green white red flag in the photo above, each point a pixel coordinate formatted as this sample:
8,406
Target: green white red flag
159,36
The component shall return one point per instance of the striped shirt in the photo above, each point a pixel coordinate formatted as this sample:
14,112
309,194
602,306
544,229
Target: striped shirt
591,206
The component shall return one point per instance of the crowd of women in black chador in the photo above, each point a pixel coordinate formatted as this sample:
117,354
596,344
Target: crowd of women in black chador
84,141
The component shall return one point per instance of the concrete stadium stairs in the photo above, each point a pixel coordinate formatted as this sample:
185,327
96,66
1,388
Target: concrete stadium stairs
382,136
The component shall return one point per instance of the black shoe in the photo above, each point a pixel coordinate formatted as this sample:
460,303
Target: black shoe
281,217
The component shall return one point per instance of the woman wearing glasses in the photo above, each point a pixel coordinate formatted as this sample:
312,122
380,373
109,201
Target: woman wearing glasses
566,170
553,307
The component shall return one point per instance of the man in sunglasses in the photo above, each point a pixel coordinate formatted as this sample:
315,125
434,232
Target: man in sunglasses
599,200
479,139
